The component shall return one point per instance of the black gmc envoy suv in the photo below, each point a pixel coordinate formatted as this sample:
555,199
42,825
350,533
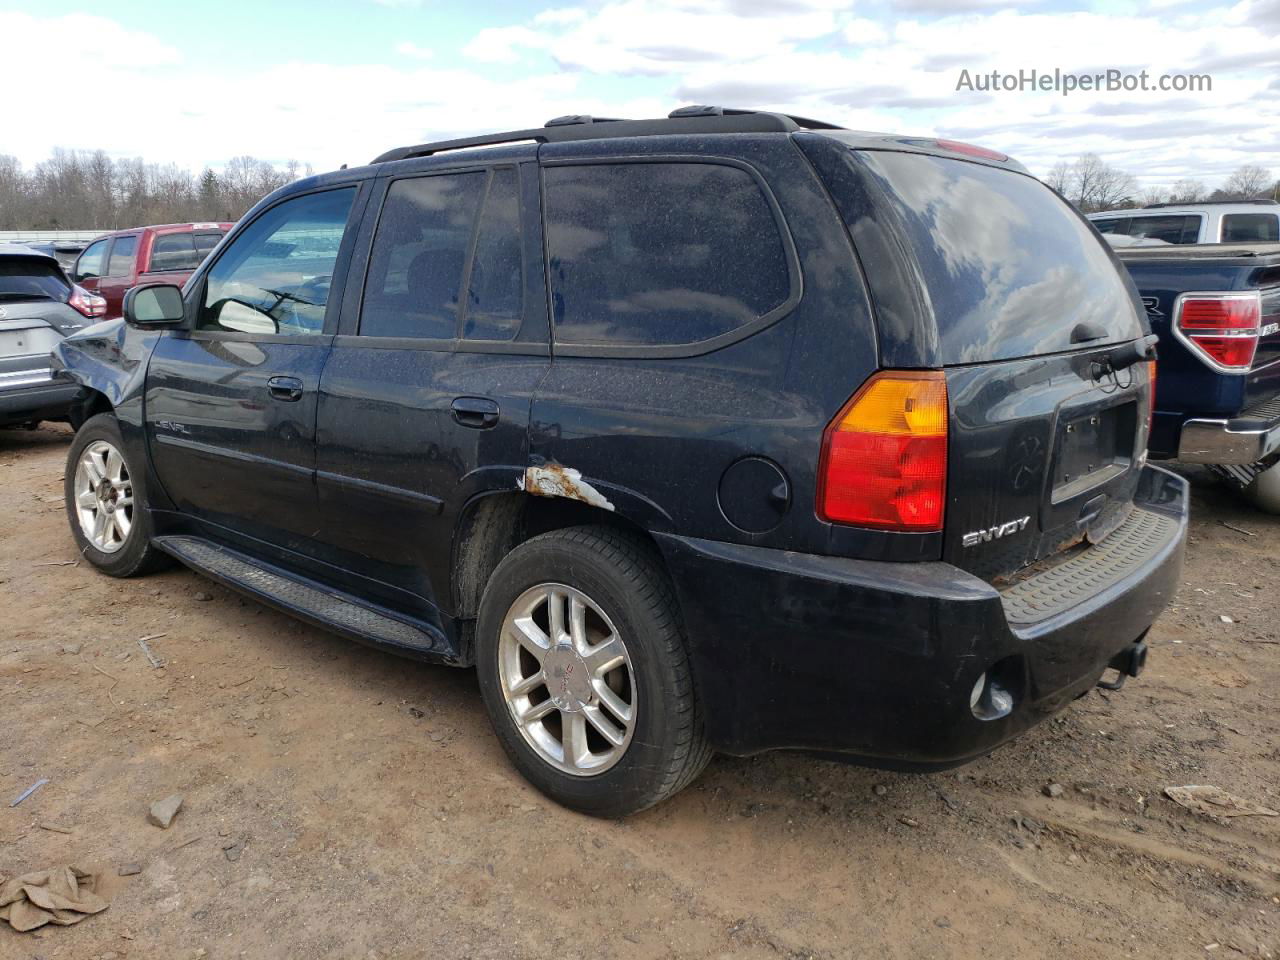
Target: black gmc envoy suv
729,431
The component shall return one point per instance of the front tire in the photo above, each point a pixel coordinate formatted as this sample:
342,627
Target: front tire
584,672
106,501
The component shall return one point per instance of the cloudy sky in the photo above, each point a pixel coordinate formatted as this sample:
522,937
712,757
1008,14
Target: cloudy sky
334,81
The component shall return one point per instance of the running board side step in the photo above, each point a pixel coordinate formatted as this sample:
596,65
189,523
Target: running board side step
315,603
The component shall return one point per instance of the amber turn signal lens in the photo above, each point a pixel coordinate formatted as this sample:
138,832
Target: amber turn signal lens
884,456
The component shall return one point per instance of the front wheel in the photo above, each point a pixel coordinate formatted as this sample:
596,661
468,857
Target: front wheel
105,499
584,672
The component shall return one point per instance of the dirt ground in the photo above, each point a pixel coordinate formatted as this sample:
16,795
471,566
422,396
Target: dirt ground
369,812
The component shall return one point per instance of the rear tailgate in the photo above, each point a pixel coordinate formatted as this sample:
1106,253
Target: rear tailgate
1036,327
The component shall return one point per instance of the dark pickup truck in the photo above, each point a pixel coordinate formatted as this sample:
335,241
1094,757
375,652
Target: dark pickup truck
1216,309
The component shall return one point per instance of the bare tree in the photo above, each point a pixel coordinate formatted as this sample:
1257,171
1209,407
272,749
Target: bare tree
1248,182
1091,184
1187,191
87,190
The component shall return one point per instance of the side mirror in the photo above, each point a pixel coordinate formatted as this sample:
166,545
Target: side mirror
157,305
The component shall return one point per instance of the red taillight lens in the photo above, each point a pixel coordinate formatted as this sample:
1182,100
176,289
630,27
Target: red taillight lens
884,456
89,304
971,150
1222,328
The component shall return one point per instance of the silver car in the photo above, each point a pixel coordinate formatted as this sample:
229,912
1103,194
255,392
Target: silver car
38,307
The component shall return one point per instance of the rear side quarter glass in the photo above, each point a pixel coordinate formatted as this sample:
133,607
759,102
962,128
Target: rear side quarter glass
1250,228
1008,267
660,254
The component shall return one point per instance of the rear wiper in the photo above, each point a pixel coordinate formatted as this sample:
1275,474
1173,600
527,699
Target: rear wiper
24,296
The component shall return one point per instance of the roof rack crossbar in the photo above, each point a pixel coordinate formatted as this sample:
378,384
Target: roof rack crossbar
692,120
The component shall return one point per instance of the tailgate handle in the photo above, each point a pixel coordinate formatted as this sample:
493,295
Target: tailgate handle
1127,354
1087,332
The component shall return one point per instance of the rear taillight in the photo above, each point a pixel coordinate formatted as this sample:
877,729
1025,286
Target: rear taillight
89,304
1222,328
884,456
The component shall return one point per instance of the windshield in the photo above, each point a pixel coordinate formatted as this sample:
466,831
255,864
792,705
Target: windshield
29,278
1010,269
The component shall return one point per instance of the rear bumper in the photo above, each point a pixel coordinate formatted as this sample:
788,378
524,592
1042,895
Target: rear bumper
877,660
47,401
1238,441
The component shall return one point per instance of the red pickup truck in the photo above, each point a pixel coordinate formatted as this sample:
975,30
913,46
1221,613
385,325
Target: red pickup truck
167,253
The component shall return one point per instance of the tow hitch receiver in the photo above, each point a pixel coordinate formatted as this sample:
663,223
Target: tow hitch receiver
1129,662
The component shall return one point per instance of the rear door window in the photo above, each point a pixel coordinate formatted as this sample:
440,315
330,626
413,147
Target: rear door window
645,254
90,263
173,251
495,290
1010,269
419,253
1171,228
206,241
1250,228
123,252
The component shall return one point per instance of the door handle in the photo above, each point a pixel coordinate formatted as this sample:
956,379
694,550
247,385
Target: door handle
287,389
477,412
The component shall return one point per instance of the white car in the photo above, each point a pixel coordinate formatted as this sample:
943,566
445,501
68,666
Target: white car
1226,221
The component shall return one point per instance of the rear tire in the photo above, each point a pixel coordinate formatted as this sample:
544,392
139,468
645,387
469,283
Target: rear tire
594,704
106,502
1264,492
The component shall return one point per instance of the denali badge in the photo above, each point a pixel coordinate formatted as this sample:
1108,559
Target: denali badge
994,533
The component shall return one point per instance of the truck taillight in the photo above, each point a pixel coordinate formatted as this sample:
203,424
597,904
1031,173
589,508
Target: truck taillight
1221,328
884,456
89,304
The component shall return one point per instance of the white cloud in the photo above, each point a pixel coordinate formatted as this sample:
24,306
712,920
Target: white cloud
818,58
409,49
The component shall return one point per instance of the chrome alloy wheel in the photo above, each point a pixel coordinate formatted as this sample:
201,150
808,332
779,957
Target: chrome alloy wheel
104,496
567,679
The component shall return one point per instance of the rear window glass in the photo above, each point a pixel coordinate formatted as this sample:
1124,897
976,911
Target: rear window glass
1010,269
1167,228
660,253
1250,228
26,278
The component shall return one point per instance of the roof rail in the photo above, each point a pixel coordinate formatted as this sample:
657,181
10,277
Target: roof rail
686,120
1201,203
